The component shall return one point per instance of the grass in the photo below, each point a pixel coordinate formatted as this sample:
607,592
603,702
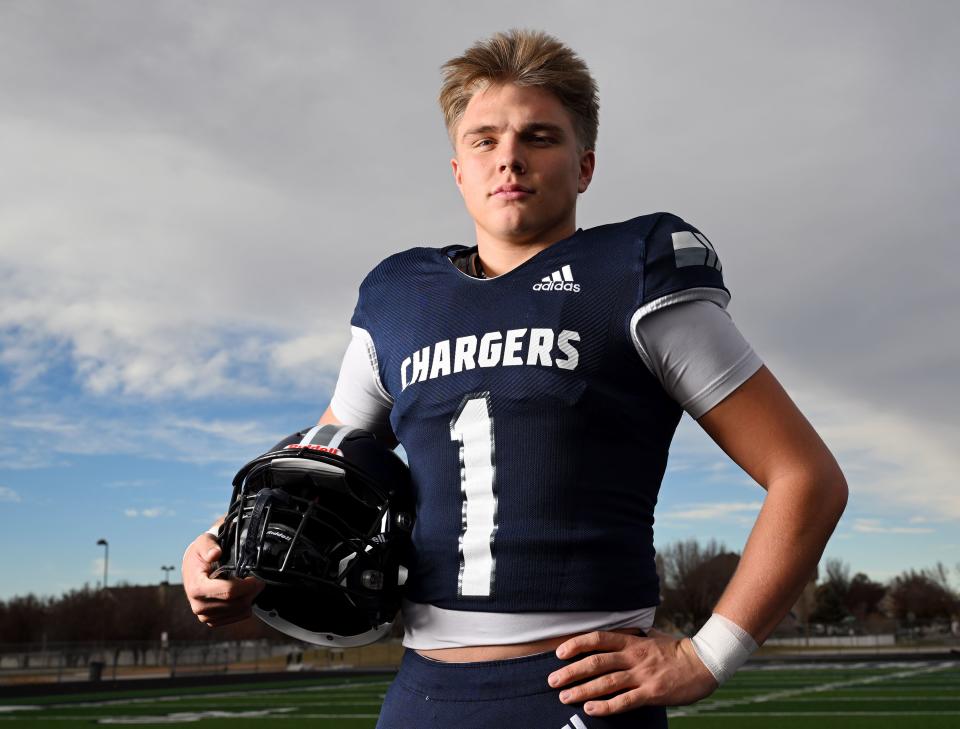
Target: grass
878,696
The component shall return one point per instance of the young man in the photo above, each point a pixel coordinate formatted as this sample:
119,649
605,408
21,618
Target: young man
535,381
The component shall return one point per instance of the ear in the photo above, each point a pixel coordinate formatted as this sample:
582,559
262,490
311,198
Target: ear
588,161
457,175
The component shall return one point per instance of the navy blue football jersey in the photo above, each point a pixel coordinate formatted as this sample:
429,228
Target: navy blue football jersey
536,437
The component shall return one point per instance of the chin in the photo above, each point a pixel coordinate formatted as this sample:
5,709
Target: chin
515,225
513,232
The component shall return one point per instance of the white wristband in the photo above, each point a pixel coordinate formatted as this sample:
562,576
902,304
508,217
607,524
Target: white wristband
723,646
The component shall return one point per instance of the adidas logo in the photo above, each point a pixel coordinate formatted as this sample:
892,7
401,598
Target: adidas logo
577,723
560,280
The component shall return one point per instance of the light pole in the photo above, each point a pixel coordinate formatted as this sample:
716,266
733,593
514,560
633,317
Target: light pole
106,558
166,574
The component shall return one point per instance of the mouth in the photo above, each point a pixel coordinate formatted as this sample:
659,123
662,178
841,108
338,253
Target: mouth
512,192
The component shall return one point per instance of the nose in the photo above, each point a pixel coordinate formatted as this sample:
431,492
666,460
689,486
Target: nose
511,156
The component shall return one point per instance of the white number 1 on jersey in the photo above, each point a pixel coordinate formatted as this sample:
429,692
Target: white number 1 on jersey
472,427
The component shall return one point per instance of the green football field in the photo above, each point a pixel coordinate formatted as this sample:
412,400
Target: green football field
878,696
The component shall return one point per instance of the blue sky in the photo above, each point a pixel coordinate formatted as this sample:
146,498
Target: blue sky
190,196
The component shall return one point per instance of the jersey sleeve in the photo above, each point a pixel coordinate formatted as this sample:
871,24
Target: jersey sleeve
696,352
680,264
359,398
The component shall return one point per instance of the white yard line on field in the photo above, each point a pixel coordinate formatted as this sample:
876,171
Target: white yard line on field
177,720
800,714
220,695
719,706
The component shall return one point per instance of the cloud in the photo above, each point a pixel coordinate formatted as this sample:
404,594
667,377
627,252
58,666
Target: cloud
710,511
152,512
246,432
132,483
152,280
893,462
8,495
40,439
896,464
876,526
308,358
190,199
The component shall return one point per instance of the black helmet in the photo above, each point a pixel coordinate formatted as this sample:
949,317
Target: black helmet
324,518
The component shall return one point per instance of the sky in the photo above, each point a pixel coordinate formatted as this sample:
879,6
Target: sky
190,194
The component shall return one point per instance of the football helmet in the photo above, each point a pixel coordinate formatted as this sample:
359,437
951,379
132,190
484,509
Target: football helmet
324,518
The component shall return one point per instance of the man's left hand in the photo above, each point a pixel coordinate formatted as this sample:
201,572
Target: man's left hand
658,670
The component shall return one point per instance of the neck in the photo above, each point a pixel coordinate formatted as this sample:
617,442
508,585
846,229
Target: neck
499,255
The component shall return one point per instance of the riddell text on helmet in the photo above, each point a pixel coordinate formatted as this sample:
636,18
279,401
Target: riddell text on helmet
312,447
493,349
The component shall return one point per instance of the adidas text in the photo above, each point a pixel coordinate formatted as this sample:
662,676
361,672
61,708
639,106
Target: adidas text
559,280
556,286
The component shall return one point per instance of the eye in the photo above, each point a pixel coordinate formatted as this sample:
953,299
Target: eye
480,143
543,140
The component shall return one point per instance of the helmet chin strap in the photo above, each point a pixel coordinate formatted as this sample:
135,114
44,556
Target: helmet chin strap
247,554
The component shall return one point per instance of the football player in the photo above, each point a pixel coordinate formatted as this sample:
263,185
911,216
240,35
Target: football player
535,380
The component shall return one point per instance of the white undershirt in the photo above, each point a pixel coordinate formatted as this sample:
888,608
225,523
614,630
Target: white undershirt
696,353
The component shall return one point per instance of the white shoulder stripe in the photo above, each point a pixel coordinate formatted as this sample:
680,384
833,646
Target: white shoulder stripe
339,436
308,438
693,249
685,239
703,239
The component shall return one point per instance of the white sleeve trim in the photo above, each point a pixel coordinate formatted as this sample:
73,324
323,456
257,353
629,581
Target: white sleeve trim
359,398
695,351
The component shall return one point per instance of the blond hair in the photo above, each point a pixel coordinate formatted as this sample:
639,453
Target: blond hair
524,58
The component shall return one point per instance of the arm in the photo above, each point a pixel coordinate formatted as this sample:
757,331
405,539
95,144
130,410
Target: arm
762,430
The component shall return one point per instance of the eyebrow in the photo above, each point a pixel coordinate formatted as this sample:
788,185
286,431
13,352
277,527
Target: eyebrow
526,129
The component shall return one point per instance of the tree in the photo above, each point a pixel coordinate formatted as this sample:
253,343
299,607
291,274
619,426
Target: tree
831,595
693,576
23,620
838,575
923,596
830,604
863,596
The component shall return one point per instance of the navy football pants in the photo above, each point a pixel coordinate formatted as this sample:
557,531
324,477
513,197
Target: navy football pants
507,694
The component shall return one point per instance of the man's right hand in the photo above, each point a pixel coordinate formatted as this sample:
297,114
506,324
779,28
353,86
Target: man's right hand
215,602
